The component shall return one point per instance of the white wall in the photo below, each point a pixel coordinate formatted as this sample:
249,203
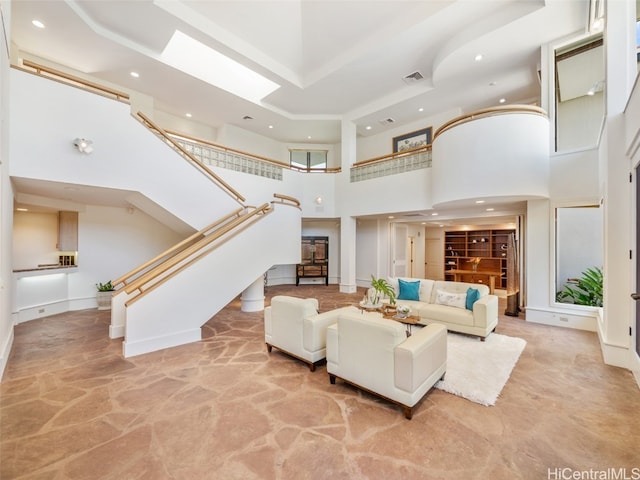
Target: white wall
35,237
111,242
6,197
489,157
367,250
126,155
381,143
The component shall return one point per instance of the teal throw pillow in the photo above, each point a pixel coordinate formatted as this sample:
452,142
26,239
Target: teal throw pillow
409,290
473,294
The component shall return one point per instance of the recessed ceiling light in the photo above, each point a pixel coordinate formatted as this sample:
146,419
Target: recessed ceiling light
421,109
490,209
479,201
309,137
37,23
134,74
390,216
434,214
22,209
270,126
502,100
368,127
478,57
188,115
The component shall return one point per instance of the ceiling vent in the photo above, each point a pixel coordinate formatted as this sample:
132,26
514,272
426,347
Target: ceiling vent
387,121
413,78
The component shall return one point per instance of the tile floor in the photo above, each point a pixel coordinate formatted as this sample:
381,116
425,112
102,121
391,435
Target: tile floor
71,407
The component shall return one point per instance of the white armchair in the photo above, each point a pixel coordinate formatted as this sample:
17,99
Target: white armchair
376,355
294,326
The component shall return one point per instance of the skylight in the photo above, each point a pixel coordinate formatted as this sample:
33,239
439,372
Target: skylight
198,60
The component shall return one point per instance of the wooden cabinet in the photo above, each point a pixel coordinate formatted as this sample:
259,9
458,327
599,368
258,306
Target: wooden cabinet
67,231
490,246
314,259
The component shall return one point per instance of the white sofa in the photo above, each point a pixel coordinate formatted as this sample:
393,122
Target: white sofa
442,302
376,355
294,326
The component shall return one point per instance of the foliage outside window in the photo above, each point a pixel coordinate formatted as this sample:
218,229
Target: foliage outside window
579,253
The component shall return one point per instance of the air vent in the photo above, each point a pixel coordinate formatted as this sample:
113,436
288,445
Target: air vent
387,121
413,78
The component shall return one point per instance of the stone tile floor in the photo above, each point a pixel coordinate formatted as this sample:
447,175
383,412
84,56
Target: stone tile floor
71,407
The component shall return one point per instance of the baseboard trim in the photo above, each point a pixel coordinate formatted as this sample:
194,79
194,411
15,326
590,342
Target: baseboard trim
5,351
563,319
116,331
38,311
139,347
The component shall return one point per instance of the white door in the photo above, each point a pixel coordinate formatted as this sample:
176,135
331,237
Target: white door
399,238
434,259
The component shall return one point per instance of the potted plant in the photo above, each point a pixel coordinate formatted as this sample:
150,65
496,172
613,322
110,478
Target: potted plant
104,295
403,311
380,288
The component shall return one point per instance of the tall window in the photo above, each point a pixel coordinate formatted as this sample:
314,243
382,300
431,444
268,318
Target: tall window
308,159
580,84
579,247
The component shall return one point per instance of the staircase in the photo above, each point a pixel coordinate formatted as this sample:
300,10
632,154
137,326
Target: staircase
164,302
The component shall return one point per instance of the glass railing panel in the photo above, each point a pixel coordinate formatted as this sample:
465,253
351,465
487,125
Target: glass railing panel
391,166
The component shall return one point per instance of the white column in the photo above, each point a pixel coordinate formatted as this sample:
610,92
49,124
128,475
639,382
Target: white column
616,343
347,223
252,299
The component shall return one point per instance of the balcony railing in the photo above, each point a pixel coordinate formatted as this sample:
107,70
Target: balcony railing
229,158
399,162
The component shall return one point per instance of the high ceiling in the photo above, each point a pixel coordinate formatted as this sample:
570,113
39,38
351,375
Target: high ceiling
333,59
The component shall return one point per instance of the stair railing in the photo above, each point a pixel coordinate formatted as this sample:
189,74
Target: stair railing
130,276
178,262
193,161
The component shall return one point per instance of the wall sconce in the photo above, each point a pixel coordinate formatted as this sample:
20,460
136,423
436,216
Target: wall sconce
318,200
83,146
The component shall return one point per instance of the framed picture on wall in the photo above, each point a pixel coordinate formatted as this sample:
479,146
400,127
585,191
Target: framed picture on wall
412,140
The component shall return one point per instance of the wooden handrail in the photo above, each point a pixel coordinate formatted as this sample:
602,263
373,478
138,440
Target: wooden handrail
489,112
170,251
140,282
391,156
194,161
254,156
228,149
287,198
68,79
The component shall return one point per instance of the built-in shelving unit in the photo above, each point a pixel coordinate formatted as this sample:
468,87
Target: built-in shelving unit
490,246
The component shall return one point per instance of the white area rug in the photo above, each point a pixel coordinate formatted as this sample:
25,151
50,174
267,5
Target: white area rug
477,370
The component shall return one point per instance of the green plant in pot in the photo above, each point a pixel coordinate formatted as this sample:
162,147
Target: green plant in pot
103,296
381,288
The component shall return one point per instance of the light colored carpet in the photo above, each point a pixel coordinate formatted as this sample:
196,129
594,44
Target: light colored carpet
478,371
